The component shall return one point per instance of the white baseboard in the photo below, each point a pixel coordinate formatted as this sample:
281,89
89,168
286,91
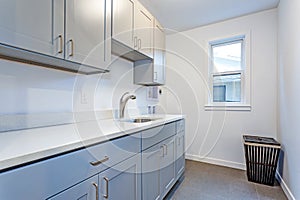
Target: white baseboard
215,161
284,187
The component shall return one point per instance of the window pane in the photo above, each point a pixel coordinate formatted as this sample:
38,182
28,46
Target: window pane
227,88
227,57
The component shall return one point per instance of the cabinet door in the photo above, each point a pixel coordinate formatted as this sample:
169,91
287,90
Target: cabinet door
85,32
123,21
122,181
144,22
159,54
87,190
151,162
167,172
34,25
180,155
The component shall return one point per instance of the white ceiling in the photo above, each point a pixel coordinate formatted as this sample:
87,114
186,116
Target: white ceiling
182,15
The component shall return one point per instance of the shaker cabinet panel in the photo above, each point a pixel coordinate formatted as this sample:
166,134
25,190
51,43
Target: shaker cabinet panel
85,31
151,164
159,54
33,25
143,30
87,190
122,181
167,172
180,154
162,159
180,147
152,72
132,26
123,21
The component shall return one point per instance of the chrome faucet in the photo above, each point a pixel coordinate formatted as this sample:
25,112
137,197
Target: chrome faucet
123,102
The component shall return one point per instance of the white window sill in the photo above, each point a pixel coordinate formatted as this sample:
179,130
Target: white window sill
233,107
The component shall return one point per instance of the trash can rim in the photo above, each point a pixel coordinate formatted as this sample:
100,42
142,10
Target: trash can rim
260,140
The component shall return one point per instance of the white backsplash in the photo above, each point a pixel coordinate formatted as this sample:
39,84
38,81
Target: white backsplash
37,97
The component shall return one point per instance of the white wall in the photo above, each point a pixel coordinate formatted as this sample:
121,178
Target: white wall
216,136
289,97
28,89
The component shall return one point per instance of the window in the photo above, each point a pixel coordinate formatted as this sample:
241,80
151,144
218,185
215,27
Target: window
229,74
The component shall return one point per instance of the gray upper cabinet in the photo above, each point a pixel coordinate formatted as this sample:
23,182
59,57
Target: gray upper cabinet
132,28
86,32
159,54
33,25
138,37
143,35
39,32
148,72
123,21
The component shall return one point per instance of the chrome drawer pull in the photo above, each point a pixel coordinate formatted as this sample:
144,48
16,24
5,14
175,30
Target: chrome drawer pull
106,188
106,158
97,190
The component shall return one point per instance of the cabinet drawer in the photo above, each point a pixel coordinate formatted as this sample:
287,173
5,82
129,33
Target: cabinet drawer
180,126
114,151
53,175
155,135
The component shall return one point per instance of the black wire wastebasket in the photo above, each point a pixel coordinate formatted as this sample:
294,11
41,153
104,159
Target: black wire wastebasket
261,155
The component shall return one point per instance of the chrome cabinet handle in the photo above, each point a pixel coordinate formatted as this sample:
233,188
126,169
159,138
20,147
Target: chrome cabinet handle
106,188
139,44
97,190
163,151
72,47
60,44
135,42
96,163
155,76
178,139
166,149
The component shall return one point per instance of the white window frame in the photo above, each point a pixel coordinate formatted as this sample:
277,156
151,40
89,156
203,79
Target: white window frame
245,104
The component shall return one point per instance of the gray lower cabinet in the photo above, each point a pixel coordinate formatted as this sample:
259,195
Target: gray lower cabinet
144,166
160,166
122,181
69,175
158,171
180,154
86,190
151,164
167,171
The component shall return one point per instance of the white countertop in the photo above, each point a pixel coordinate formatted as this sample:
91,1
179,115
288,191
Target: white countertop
19,147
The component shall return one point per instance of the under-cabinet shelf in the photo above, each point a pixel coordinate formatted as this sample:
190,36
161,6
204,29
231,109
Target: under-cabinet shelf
29,57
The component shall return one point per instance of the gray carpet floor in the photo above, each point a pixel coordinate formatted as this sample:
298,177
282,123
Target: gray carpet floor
211,182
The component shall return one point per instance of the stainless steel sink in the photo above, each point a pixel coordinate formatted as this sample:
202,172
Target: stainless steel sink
140,120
